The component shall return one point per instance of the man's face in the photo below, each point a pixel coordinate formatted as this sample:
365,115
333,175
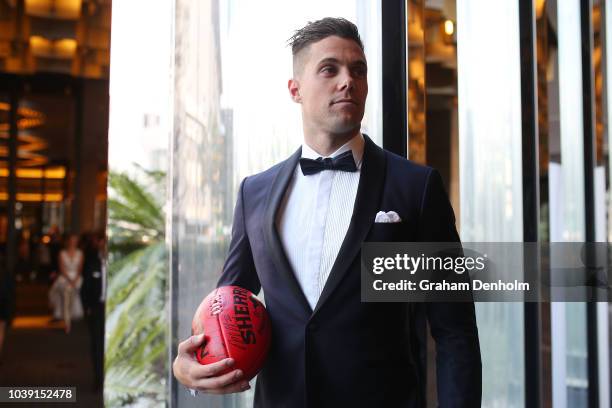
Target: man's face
331,84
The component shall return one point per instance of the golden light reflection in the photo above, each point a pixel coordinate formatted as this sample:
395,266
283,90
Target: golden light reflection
30,118
64,9
66,47
416,82
31,143
57,173
449,27
36,322
28,112
23,111
43,47
25,158
29,197
22,124
28,144
540,4
28,123
38,42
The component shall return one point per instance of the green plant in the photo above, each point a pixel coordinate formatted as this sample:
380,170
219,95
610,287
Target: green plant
136,307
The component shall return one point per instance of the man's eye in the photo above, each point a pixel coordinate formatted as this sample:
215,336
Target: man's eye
360,71
328,70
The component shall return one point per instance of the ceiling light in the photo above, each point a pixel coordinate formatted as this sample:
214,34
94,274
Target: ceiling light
61,9
449,27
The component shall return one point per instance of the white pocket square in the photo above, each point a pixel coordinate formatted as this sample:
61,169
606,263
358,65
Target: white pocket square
387,217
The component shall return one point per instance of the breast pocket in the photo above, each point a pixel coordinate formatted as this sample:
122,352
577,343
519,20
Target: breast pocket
387,232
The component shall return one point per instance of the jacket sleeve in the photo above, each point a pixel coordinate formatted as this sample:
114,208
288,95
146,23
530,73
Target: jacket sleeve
239,267
452,325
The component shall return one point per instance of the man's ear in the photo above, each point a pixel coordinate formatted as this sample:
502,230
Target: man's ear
294,90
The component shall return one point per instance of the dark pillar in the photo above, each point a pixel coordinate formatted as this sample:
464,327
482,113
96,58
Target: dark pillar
588,111
395,123
78,141
531,195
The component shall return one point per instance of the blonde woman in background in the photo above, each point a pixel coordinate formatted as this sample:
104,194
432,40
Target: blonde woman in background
65,291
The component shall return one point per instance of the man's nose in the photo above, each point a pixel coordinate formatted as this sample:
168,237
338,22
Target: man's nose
347,82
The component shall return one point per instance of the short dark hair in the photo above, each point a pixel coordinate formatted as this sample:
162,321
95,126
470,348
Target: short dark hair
317,30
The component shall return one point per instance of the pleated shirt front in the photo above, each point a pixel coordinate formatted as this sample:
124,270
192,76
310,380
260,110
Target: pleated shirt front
314,217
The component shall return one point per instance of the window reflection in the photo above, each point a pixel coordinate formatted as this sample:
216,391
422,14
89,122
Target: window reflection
138,265
234,118
4,136
567,212
491,173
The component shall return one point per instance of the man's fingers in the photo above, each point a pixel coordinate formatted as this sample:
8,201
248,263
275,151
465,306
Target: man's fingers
206,377
191,344
236,387
219,381
212,369
222,384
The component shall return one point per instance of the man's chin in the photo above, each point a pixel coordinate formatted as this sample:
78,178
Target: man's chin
345,124
345,130
348,126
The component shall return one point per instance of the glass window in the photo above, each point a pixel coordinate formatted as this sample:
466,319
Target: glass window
491,173
137,305
233,118
567,211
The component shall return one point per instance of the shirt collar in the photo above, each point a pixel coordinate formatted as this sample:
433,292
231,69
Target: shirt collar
356,145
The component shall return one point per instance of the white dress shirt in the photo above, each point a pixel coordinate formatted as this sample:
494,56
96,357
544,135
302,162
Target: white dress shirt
314,217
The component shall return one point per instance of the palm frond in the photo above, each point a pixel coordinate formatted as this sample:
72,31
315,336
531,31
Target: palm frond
124,385
136,307
127,193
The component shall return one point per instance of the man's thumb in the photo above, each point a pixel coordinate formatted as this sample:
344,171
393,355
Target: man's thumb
197,340
191,344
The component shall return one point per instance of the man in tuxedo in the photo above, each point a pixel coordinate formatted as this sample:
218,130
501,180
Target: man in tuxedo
297,234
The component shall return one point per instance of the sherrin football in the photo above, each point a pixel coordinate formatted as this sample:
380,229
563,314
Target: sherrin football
236,325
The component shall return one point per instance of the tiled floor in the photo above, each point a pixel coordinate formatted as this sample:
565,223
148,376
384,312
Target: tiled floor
39,353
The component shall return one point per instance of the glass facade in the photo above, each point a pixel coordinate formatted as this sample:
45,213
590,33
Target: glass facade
567,209
137,305
232,118
490,175
224,113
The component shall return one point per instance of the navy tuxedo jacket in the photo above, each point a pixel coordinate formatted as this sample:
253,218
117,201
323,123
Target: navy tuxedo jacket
346,353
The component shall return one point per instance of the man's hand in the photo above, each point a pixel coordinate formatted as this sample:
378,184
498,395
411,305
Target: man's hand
206,378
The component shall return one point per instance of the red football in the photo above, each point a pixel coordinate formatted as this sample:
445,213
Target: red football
235,324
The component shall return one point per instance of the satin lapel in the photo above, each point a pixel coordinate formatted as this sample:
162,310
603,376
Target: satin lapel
369,193
277,252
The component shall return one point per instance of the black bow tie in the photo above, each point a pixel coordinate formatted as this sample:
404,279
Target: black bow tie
342,162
